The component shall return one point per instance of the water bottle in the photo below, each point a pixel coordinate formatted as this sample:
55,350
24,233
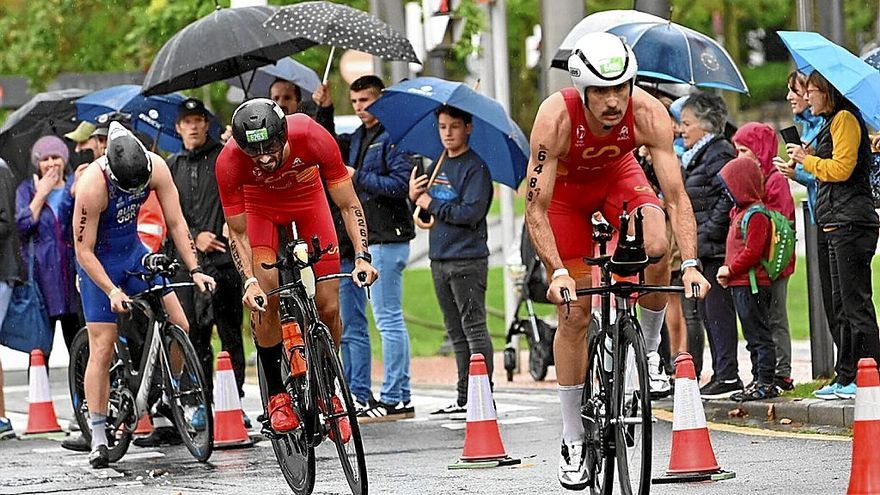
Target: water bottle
301,251
607,358
293,344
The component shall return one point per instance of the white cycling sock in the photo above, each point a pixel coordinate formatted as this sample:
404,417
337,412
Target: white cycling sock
98,424
161,421
572,425
652,323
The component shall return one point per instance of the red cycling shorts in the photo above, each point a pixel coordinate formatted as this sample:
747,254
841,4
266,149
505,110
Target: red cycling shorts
574,203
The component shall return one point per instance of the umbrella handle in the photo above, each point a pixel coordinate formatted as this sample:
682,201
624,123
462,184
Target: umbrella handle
329,64
423,219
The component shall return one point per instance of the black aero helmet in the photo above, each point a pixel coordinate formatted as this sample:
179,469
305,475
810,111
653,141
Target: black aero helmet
259,127
128,165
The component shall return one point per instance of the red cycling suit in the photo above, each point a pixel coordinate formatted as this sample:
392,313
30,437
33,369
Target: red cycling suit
292,193
598,173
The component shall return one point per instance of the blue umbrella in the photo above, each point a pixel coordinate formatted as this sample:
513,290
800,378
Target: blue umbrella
855,79
407,112
670,52
154,116
286,68
872,58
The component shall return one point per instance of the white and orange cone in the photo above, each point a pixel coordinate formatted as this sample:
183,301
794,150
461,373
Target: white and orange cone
482,438
229,430
144,425
864,477
41,412
692,457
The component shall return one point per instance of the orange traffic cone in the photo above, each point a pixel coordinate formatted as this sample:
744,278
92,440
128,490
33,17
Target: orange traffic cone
482,438
41,412
229,430
144,426
692,457
865,475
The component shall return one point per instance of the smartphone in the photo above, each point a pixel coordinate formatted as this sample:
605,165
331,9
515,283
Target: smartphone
420,167
791,135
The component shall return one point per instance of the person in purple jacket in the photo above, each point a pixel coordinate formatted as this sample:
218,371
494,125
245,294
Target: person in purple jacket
43,215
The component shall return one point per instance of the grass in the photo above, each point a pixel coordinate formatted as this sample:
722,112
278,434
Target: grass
805,390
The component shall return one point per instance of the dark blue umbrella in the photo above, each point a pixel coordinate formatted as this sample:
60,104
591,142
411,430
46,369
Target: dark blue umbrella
670,52
407,112
872,58
258,82
154,116
855,79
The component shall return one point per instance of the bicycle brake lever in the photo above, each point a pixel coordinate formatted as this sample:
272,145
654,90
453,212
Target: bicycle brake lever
695,291
566,299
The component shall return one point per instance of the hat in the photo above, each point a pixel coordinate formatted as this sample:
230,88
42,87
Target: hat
192,106
102,122
49,146
82,132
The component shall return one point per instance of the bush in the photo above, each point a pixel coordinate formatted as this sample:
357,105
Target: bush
766,83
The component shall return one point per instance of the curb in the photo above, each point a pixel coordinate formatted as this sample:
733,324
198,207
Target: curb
802,412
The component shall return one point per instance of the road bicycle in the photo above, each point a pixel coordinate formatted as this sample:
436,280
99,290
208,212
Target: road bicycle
313,377
167,379
616,403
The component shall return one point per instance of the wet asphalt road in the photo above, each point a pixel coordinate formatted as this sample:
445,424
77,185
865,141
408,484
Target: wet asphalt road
408,457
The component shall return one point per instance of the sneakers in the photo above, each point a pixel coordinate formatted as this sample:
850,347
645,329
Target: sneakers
846,391
784,383
572,473
657,377
100,457
76,444
382,411
454,408
721,389
281,414
199,420
161,435
6,431
343,424
756,391
828,392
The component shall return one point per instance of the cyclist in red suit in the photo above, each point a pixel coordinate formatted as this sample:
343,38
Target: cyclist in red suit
269,175
582,163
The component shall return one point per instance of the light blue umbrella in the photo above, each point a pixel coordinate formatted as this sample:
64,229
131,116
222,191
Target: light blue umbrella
407,112
855,79
286,68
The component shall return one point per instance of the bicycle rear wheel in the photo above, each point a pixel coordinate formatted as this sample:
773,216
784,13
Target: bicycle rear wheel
632,411
599,444
333,389
295,456
186,393
121,418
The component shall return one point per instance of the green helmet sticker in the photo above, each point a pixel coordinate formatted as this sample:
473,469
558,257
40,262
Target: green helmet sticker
257,135
611,66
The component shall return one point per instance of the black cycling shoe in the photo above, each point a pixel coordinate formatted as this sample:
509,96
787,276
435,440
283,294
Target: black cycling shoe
163,435
100,457
76,444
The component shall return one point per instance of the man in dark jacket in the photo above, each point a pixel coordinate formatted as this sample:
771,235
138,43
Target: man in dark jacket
193,172
10,267
380,175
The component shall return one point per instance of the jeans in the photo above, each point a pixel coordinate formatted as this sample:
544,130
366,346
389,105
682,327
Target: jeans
386,299
754,314
5,299
461,292
779,326
719,317
355,345
851,248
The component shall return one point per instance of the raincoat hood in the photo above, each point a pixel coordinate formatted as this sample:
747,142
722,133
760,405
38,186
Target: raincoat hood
744,181
761,139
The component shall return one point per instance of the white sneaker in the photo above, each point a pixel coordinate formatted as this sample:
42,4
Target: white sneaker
658,380
573,473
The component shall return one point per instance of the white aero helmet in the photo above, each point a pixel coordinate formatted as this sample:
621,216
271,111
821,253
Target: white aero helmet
601,59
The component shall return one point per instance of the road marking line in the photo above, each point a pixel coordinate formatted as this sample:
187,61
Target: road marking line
511,421
142,455
745,430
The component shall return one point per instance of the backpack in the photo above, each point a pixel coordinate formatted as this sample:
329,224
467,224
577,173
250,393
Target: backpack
782,242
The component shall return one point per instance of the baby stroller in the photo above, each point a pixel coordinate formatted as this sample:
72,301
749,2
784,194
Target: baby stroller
532,287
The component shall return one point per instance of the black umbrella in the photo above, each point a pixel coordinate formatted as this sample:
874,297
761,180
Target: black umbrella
343,27
52,112
223,44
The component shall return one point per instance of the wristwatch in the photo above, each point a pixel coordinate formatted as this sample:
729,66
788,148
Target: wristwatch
692,263
364,255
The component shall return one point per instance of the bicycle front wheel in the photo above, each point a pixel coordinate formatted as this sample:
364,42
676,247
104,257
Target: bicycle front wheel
596,416
186,393
632,411
341,417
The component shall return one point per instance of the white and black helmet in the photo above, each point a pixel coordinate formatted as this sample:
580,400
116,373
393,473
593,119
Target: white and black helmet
129,166
601,59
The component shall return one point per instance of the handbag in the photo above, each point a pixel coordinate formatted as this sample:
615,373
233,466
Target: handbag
26,326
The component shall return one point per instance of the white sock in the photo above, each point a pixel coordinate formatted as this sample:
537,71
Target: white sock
98,424
572,424
652,323
161,421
